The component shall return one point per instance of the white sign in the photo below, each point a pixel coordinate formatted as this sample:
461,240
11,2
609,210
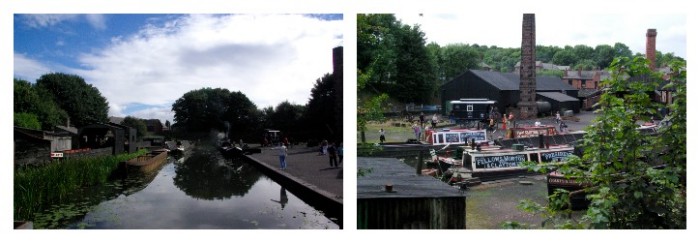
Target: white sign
56,155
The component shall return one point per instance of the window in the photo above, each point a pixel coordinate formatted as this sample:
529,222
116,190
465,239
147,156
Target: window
583,83
470,107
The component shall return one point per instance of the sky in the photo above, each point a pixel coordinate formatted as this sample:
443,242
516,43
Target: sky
143,63
555,29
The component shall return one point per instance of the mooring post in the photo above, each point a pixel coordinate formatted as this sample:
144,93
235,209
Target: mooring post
419,166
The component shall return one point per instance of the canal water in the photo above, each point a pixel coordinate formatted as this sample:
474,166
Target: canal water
202,190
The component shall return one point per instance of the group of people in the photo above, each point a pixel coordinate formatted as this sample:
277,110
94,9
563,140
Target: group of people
334,152
507,121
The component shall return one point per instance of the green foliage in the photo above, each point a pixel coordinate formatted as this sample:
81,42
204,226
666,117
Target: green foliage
81,101
37,187
455,59
27,120
206,108
638,180
31,99
321,111
287,117
565,57
136,123
394,59
549,72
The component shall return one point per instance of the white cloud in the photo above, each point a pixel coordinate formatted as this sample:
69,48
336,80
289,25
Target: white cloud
557,29
269,58
161,113
46,20
28,69
97,21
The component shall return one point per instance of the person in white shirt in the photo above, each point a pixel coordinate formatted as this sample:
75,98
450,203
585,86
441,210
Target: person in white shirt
283,156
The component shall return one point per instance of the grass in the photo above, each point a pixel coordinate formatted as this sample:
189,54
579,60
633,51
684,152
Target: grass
392,133
36,187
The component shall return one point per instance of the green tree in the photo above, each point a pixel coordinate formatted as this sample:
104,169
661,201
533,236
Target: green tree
622,50
207,108
565,57
604,55
395,58
584,52
456,59
320,111
287,117
136,123
81,101
546,53
27,120
585,64
33,100
638,180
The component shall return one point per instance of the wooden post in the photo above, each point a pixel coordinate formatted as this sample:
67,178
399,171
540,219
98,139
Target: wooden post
419,166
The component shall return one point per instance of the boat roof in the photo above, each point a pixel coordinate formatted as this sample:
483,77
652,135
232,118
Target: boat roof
475,101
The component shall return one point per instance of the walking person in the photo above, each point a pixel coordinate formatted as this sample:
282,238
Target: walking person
434,121
505,121
332,156
511,120
492,125
558,118
422,119
426,134
283,156
382,138
416,131
339,147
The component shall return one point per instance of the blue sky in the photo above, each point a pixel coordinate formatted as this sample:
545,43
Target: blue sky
143,63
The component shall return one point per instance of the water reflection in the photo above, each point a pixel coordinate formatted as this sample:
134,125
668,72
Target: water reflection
283,197
206,191
206,175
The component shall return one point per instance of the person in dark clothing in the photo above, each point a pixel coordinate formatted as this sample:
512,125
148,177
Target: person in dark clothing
333,156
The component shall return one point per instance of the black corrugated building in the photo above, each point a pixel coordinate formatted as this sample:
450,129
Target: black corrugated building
504,88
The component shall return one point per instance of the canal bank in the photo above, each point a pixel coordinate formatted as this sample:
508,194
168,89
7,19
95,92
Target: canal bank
308,174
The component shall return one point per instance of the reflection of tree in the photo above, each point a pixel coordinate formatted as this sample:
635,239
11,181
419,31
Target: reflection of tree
206,175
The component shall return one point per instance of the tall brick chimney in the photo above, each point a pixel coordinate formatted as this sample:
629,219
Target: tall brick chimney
338,86
528,75
651,48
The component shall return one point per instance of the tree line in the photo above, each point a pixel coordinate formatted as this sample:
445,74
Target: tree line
216,108
395,59
56,98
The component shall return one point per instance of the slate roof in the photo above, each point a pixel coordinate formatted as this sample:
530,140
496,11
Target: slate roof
583,93
557,96
511,81
406,183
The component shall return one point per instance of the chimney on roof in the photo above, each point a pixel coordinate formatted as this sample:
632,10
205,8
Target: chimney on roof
68,122
651,48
